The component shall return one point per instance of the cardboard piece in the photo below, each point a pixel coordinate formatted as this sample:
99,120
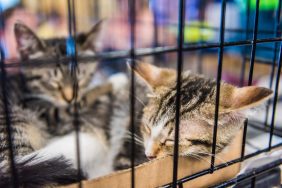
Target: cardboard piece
159,172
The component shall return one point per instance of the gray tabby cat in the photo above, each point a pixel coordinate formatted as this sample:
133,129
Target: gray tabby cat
103,110
101,107
52,88
28,135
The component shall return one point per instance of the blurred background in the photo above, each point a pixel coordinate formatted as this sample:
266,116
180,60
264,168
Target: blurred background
156,26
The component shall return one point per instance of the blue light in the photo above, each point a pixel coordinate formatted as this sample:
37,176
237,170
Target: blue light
70,46
5,4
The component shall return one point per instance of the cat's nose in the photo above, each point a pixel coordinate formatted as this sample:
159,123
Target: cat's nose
151,149
151,157
67,94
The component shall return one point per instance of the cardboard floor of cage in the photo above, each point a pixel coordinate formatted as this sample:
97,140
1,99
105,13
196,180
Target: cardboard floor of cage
159,172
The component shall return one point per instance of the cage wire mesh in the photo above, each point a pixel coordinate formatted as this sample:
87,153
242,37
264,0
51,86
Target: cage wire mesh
253,39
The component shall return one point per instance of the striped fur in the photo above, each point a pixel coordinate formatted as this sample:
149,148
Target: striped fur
49,89
48,97
197,110
29,135
103,110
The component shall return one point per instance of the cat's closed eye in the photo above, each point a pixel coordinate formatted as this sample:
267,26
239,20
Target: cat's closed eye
35,77
54,85
169,142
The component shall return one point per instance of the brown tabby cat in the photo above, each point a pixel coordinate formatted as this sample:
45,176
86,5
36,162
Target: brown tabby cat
197,111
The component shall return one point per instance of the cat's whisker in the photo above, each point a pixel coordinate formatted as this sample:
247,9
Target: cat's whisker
139,141
136,141
201,158
195,157
210,154
222,160
128,132
198,158
136,138
138,99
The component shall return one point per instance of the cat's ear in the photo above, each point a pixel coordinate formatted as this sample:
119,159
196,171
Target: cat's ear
233,98
28,43
153,76
91,36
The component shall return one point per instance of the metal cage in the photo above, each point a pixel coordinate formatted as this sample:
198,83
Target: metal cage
133,53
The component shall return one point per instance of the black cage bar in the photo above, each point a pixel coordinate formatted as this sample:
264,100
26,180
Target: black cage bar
72,52
133,53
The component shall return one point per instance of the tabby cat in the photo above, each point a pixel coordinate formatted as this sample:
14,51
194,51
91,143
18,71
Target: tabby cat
103,109
102,106
50,89
104,119
197,111
28,135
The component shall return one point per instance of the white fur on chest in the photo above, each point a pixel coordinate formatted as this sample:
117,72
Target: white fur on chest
120,118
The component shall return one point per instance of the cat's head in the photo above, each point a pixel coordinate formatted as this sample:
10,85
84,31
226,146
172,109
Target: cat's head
55,83
197,111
